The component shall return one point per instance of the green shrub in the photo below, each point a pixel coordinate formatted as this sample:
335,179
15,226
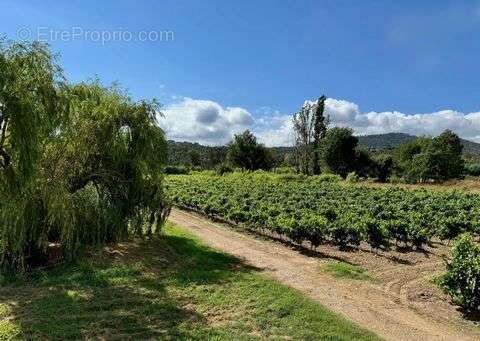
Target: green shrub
327,177
462,280
346,231
352,177
395,179
397,229
418,230
289,177
376,233
383,166
224,168
283,170
430,159
176,170
205,172
473,169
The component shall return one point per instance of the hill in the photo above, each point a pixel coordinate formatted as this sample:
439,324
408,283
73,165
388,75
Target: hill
182,153
384,141
393,140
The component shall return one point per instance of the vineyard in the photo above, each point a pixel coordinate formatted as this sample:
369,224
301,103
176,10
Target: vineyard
320,210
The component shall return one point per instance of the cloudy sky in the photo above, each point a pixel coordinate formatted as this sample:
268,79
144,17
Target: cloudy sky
208,122
409,66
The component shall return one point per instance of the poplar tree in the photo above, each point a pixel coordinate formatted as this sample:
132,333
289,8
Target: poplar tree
319,132
310,127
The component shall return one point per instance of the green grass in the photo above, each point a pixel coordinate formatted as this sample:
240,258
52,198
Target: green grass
346,270
172,287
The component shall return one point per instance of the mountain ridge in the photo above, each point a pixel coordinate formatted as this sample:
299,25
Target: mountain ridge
392,140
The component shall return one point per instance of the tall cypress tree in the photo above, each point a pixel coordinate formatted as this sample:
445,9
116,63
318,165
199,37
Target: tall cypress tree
319,132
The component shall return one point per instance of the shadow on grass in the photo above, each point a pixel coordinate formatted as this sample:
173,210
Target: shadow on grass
120,292
205,265
470,315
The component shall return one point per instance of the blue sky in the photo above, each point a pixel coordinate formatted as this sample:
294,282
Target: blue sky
237,64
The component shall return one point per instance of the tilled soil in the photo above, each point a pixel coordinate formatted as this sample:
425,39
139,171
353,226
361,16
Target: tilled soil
401,303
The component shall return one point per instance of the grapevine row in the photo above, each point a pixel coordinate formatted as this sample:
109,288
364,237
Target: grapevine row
308,209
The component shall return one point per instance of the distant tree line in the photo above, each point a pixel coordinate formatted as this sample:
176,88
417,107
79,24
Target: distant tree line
319,149
335,150
194,155
437,159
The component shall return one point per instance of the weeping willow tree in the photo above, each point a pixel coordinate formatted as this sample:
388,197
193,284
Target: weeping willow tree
31,107
79,164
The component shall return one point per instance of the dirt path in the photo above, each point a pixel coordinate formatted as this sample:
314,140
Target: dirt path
389,306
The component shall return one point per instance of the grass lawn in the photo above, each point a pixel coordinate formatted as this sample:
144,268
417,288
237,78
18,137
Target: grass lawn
172,287
346,270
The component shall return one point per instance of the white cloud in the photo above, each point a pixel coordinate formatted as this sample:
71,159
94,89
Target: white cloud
203,121
207,122
344,113
274,130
